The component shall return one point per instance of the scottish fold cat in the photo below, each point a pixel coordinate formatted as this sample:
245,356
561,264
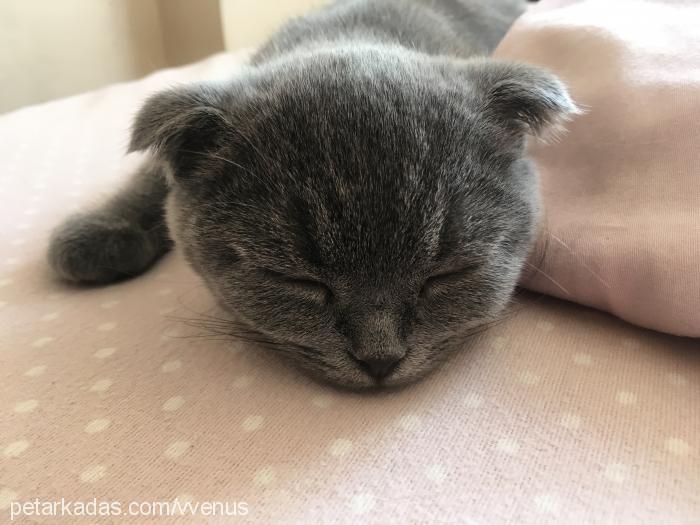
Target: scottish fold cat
358,199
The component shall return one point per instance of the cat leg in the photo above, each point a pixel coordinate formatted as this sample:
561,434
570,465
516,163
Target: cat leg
119,239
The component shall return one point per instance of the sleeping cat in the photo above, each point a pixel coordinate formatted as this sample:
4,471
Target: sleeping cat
358,198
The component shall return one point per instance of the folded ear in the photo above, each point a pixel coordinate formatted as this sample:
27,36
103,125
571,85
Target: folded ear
181,126
522,98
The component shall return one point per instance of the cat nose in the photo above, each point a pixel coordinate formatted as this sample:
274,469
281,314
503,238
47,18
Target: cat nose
379,368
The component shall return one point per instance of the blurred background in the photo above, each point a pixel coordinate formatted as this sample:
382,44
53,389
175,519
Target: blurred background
56,48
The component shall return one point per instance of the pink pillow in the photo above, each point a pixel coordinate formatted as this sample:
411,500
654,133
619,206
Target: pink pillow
622,188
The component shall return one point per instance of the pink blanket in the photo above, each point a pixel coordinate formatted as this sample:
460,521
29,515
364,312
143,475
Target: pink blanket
622,187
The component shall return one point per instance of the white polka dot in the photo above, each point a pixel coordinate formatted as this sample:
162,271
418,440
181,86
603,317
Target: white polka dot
545,326
473,400
170,366
242,382
508,446
109,304
11,261
30,211
7,496
5,282
97,425
104,353
528,378
340,447
677,446
322,401
252,423
677,379
264,476
18,242
15,449
174,403
362,503
570,421
436,473
177,449
616,472
547,503
50,317
35,371
101,385
26,406
583,359
409,422
626,398
165,291
93,473
106,327
498,343
41,342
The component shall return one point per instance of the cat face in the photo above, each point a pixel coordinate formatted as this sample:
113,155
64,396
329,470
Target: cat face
359,212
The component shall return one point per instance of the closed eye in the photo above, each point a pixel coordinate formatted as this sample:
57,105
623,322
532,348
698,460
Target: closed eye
305,287
442,281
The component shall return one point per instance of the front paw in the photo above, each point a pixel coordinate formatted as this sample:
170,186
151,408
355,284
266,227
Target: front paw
94,248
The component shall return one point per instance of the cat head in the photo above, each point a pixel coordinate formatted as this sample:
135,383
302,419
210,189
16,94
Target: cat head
360,211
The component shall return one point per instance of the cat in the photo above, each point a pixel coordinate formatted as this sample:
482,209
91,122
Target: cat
358,197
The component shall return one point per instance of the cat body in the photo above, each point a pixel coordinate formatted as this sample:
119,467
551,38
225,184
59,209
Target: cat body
359,197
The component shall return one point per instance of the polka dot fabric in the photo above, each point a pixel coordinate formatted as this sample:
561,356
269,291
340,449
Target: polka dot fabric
560,414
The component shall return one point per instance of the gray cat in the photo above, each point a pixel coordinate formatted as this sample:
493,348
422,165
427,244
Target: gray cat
358,197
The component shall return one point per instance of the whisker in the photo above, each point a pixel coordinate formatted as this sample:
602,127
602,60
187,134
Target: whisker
549,277
579,260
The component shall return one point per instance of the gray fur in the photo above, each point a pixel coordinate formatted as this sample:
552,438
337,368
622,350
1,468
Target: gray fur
358,198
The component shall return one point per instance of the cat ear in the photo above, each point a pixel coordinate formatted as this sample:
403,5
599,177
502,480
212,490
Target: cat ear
180,126
521,98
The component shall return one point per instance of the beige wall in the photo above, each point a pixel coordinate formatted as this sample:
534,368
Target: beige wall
248,22
55,48
191,29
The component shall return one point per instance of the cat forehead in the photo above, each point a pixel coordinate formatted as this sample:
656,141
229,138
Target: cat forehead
350,233
353,210
338,86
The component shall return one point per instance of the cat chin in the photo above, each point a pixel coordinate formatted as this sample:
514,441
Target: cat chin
370,384
355,379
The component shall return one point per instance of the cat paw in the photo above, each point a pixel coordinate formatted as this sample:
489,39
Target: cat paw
92,248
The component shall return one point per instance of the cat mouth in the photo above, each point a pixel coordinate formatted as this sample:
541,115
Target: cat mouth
379,370
346,372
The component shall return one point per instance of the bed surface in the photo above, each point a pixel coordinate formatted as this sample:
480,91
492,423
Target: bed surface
559,414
